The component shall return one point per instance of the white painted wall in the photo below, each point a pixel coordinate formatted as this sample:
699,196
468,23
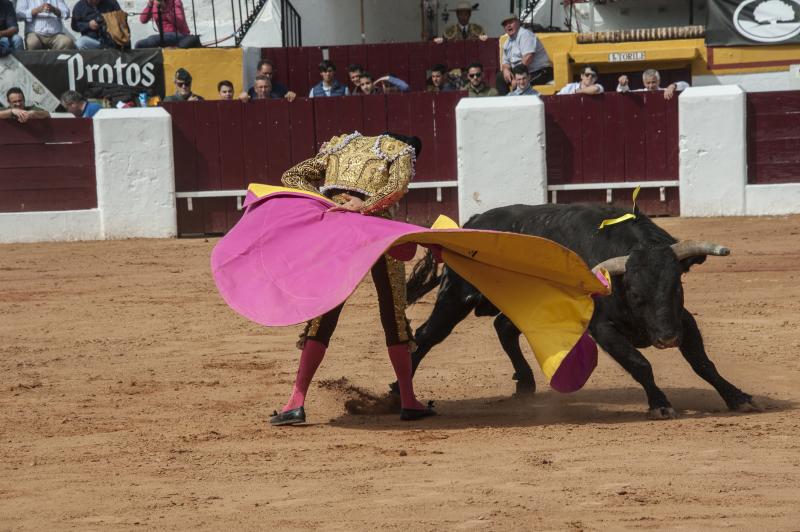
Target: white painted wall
266,29
335,22
501,153
50,226
773,199
635,14
787,80
713,154
135,185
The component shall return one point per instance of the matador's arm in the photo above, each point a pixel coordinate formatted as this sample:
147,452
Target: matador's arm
400,173
307,175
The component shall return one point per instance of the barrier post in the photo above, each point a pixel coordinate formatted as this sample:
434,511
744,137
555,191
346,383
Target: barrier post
713,151
135,173
501,153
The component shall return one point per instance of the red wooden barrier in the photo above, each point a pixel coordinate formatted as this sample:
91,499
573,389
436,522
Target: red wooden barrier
297,67
49,165
613,138
590,140
773,137
226,145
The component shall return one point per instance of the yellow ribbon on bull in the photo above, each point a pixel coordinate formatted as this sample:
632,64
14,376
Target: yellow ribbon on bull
624,217
544,288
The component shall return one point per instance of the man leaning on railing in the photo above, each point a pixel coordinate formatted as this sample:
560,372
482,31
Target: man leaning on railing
17,108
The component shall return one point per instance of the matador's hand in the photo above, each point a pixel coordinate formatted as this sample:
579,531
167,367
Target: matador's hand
352,204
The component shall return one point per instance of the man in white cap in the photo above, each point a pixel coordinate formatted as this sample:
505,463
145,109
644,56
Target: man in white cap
464,30
587,85
522,47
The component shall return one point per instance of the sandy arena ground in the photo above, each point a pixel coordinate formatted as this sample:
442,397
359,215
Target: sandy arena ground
132,397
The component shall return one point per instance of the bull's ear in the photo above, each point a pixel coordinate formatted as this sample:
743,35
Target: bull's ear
691,261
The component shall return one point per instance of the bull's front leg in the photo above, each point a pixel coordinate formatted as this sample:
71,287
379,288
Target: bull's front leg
694,352
620,349
508,334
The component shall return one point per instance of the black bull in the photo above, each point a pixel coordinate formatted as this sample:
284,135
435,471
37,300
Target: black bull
645,308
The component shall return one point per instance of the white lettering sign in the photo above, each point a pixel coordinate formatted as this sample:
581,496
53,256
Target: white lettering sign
119,73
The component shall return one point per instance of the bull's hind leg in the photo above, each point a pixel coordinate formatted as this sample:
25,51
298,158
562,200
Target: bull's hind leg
508,334
627,356
694,352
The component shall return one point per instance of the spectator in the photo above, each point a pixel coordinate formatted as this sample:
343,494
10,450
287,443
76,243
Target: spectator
183,88
390,83
18,110
76,104
464,30
522,82
438,81
87,19
267,68
587,85
264,90
43,27
523,48
170,16
652,82
355,71
9,29
476,87
328,86
367,85
225,89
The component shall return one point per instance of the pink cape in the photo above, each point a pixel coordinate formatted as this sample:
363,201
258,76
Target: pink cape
288,261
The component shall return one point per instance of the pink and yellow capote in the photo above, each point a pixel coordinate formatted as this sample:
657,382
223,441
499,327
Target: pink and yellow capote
288,260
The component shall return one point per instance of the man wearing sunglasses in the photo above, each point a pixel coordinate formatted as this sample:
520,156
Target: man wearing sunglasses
587,85
183,88
476,87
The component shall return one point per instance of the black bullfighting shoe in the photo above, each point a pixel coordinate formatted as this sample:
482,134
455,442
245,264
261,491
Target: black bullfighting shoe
411,414
290,417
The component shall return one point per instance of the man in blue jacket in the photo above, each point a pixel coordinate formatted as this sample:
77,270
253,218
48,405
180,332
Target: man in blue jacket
87,19
329,86
76,104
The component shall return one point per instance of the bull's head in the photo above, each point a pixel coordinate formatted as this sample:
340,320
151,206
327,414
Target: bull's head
651,282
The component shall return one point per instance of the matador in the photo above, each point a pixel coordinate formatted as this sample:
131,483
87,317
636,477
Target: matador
366,175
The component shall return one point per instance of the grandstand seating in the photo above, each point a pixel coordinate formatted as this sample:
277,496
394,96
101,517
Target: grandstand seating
297,67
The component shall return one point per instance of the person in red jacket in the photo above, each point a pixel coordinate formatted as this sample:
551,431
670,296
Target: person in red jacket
168,17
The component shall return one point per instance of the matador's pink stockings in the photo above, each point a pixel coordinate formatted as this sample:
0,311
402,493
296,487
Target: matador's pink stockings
310,358
401,362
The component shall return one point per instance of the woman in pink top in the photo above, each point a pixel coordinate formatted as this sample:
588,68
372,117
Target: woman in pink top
173,22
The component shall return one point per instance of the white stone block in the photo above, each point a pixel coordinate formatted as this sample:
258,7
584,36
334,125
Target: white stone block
713,151
501,153
135,173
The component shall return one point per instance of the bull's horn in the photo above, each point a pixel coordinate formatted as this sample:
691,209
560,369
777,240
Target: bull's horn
614,265
691,248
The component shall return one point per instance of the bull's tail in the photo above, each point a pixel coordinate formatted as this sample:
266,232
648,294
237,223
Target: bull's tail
424,278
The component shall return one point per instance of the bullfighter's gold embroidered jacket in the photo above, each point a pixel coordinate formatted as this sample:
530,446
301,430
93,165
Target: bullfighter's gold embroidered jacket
378,168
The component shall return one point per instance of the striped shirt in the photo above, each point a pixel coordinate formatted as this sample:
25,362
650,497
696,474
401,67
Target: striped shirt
43,23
